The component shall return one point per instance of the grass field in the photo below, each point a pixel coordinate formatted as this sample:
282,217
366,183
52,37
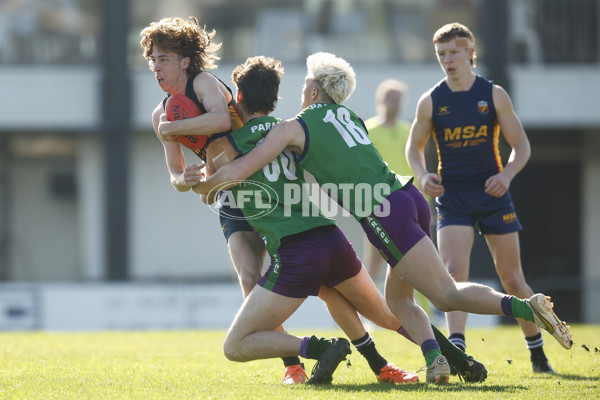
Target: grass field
191,365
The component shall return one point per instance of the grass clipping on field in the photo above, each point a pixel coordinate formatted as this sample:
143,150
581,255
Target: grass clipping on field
191,365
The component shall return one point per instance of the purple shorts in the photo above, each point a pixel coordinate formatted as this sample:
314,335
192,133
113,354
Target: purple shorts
307,260
407,221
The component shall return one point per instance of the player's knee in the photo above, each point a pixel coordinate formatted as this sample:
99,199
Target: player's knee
445,300
248,282
442,305
510,284
515,284
458,272
231,350
248,278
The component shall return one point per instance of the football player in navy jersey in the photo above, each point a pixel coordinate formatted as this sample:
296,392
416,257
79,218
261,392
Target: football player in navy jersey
465,114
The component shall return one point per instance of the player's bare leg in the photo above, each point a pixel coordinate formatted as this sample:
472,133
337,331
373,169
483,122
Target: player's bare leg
455,243
361,290
505,251
251,335
247,252
423,268
373,261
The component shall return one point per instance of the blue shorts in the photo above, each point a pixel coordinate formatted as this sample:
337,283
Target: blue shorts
405,224
232,220
307,260
493,215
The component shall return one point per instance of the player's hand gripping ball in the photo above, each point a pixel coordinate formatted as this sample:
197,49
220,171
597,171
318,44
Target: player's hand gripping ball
179,107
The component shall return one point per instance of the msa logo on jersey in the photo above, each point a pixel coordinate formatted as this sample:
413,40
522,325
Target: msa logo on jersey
509,218
461,133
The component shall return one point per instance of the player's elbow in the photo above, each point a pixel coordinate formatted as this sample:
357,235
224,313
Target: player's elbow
179,187
223,124
207,199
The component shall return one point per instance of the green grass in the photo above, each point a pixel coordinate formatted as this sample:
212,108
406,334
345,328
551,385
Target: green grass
191,365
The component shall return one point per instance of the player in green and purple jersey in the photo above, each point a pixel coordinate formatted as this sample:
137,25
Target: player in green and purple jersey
309,254
328,269
330,142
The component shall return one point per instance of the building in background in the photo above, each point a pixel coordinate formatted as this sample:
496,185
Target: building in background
53,214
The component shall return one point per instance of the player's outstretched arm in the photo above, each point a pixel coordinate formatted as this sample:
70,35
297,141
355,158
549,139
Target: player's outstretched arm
285,135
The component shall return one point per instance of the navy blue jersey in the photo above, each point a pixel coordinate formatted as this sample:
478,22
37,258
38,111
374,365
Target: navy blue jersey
466,133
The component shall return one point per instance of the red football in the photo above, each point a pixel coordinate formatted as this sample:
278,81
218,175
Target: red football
179,107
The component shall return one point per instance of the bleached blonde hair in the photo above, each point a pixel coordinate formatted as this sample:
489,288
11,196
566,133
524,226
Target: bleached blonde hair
335,75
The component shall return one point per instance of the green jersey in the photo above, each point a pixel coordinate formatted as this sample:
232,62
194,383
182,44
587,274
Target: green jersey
275,200
338,152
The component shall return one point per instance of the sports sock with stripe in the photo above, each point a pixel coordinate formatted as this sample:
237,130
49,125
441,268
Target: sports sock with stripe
517,308
366,346
431,350
535,344
458,339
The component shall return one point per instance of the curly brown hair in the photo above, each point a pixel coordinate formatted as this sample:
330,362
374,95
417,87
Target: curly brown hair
258,80
185,38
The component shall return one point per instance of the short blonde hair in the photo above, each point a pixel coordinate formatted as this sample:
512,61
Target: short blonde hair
334,74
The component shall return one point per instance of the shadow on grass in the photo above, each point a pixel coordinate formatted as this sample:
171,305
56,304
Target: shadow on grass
419,387
571,377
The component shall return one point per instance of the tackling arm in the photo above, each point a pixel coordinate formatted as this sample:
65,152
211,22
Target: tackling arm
287,134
